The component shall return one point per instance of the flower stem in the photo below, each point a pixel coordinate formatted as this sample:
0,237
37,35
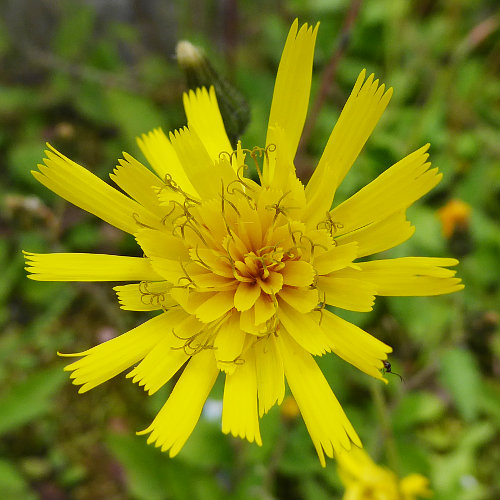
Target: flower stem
389,441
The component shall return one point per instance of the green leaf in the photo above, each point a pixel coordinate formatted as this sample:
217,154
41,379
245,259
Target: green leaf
145,466
426,318
15,100
207,446
74,31
133,114
299,456
460,376
12,483
311,487
22,158
490,400
416,408
30,399
151,473
428,238
449,471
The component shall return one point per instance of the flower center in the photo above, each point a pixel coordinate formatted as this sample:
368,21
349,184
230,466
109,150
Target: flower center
247,254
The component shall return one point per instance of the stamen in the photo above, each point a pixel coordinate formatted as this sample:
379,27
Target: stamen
154,298
226,153
200,261
170,183
236,361
230,203
321,308
279,209
188,278
296,246
241,182
273,324
329,224
206,343
313,245
223,212
187,223
136,216
184,338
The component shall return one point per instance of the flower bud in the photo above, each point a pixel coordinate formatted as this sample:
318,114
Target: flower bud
200,73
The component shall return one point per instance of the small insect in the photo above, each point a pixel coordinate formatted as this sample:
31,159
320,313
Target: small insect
388,369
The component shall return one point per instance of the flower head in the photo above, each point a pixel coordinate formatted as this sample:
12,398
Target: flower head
363,479
241,271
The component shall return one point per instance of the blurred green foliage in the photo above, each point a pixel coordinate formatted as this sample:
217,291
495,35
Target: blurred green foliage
89,77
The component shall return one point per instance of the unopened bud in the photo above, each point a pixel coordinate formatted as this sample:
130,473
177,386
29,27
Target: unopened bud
289,409
454,216
200,73
455,221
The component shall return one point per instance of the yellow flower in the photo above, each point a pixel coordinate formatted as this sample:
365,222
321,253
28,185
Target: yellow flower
241,271
363,479
454,216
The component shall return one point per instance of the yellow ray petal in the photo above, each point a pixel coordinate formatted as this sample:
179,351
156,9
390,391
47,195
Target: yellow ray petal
88,267
304,329
272,284
164,360
215,306
264,309
85,190
292,88
204,117
205,175
303,300
145,296
246,295
162,157
379,236
139,183
325,420
212,260
190,299
279,156
104,361
159,366
188,329
393,190
298,273
208,281
176,420
336,258
350,292
354,345
414,486
228,344
409,276
239,411
359,117
161,244
170,270
270,374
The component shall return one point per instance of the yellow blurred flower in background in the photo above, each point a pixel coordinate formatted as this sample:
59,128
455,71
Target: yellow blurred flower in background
241,271
363,479
454,216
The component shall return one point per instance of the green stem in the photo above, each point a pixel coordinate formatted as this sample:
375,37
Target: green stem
385,424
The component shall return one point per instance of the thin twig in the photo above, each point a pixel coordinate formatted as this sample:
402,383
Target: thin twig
331,69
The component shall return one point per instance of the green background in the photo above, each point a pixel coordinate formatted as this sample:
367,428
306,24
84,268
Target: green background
89,77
